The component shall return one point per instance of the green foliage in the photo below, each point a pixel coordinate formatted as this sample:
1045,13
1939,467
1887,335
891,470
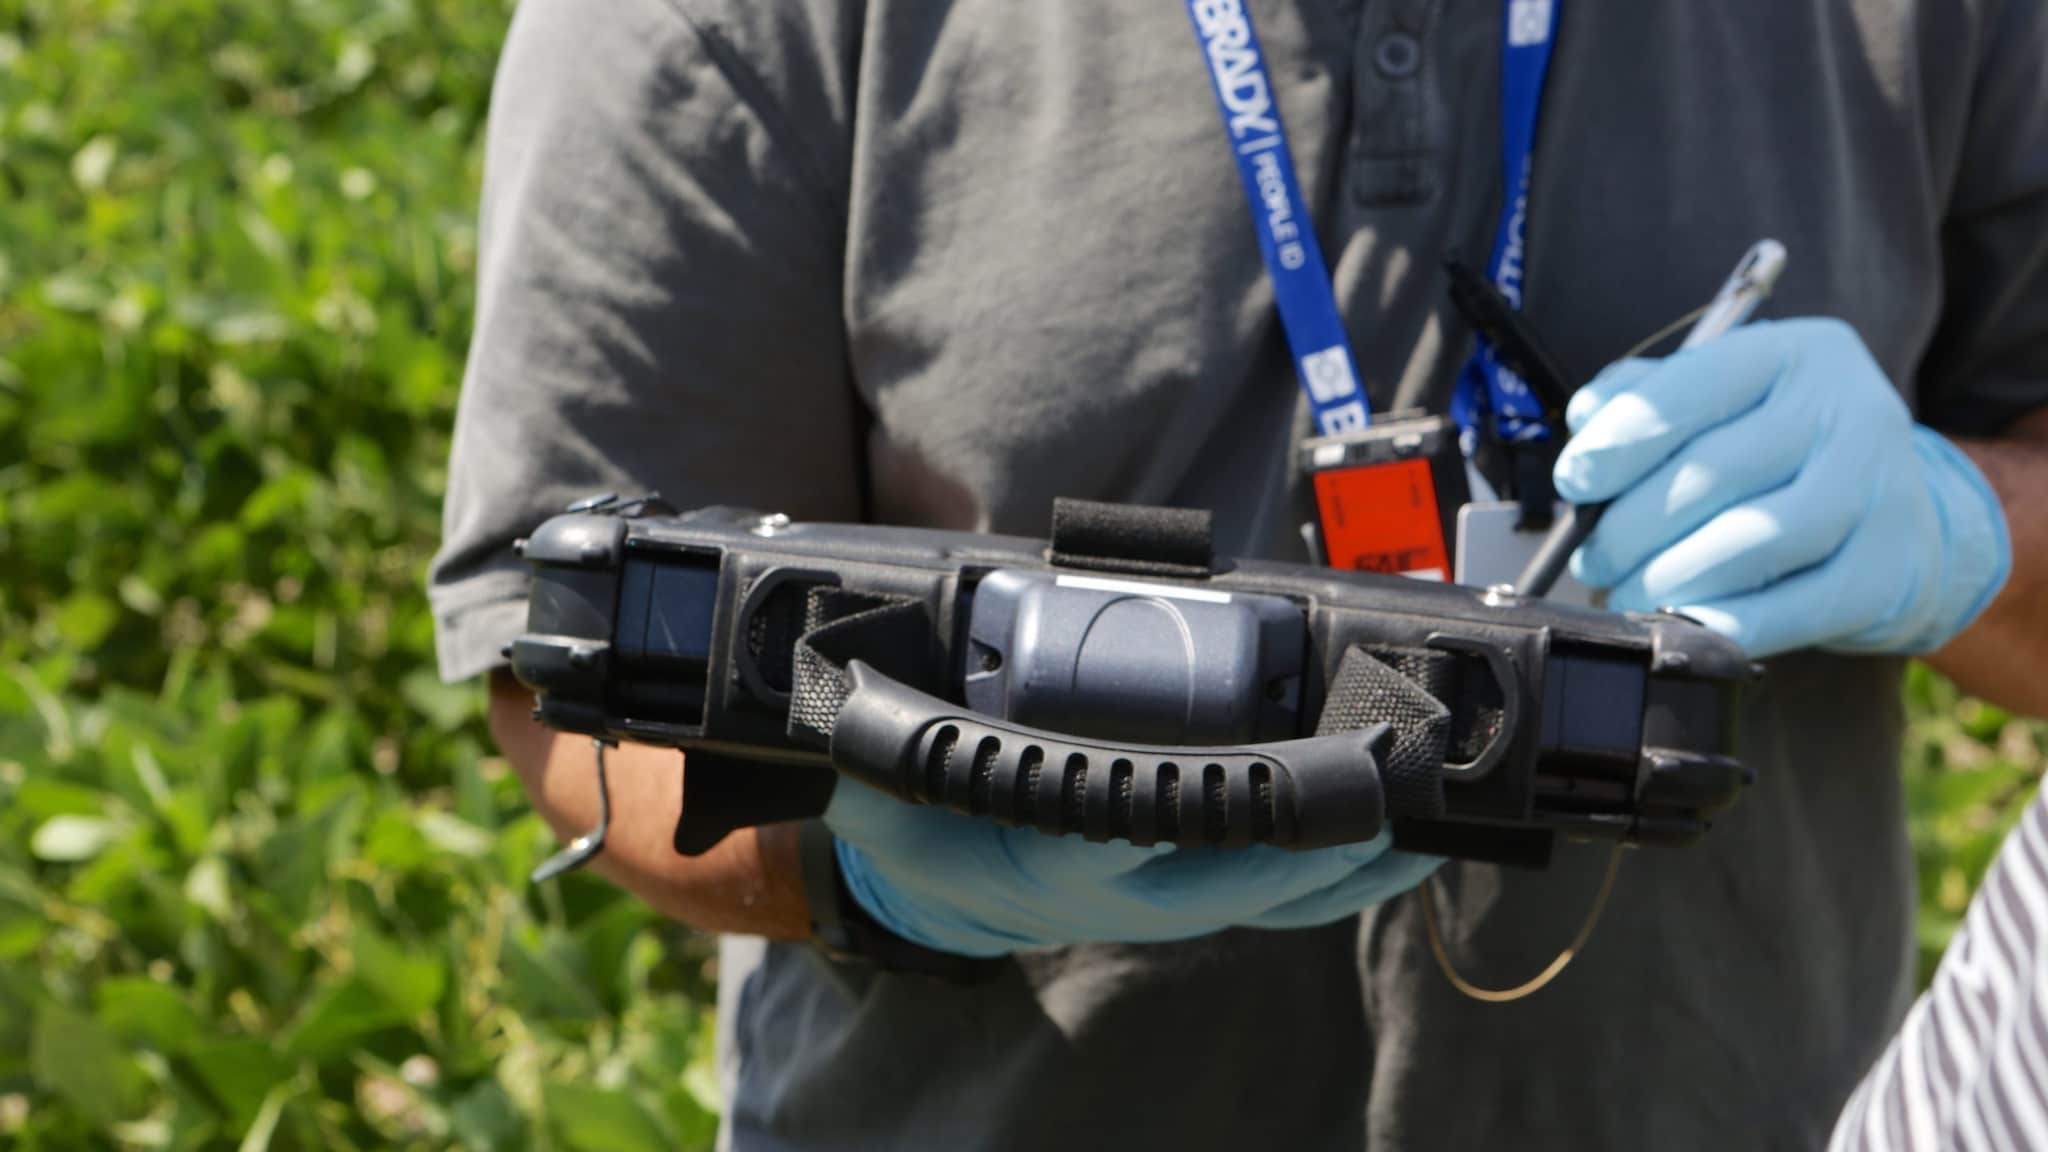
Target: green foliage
261,886
1971,769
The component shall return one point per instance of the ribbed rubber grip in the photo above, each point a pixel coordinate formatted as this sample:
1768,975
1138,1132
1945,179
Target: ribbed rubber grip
1294,794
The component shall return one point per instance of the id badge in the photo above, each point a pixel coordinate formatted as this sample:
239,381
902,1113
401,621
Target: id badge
1386,493
1490,551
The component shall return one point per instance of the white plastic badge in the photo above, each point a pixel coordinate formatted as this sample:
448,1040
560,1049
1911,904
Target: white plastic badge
1490,552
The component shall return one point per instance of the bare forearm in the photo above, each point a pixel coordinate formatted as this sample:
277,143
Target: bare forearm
751,883
2002,657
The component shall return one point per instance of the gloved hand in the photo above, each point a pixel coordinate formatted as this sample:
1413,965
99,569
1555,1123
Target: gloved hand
976,888
1772,485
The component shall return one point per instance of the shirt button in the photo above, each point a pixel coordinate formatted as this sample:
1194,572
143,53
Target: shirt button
1398,56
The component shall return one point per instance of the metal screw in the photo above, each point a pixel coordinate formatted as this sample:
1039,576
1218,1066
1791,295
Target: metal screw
1674,662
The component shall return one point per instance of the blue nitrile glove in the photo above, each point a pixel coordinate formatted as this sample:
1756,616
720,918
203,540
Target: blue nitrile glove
1772,485
973,887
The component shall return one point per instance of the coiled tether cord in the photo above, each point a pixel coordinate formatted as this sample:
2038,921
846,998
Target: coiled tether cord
1536,983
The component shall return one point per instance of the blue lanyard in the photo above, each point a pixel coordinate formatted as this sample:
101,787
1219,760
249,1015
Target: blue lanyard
1287,240
1528,35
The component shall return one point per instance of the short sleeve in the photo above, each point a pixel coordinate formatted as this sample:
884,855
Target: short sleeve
1968,1068
1988,363
657,300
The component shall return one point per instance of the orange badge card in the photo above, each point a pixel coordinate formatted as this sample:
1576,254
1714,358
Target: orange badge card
1383,518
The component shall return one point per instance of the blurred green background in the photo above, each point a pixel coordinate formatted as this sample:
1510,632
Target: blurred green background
261,881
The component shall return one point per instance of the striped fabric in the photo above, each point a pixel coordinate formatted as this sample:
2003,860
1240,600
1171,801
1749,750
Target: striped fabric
1970,1068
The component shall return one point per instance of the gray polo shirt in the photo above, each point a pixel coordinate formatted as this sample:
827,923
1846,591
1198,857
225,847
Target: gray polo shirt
938,263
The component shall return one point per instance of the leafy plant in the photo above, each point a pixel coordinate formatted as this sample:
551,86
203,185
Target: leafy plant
1971,770
260,883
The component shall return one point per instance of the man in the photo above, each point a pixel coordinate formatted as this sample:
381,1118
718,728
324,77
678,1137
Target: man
937,264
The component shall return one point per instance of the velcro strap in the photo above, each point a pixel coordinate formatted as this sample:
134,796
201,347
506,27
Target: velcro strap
1461,684
892,633
1368,691
1136,539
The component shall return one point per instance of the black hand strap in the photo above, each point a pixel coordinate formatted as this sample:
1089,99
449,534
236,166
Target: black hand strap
892,633
866,681
1368,692
844,931
1392,718
1297,794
